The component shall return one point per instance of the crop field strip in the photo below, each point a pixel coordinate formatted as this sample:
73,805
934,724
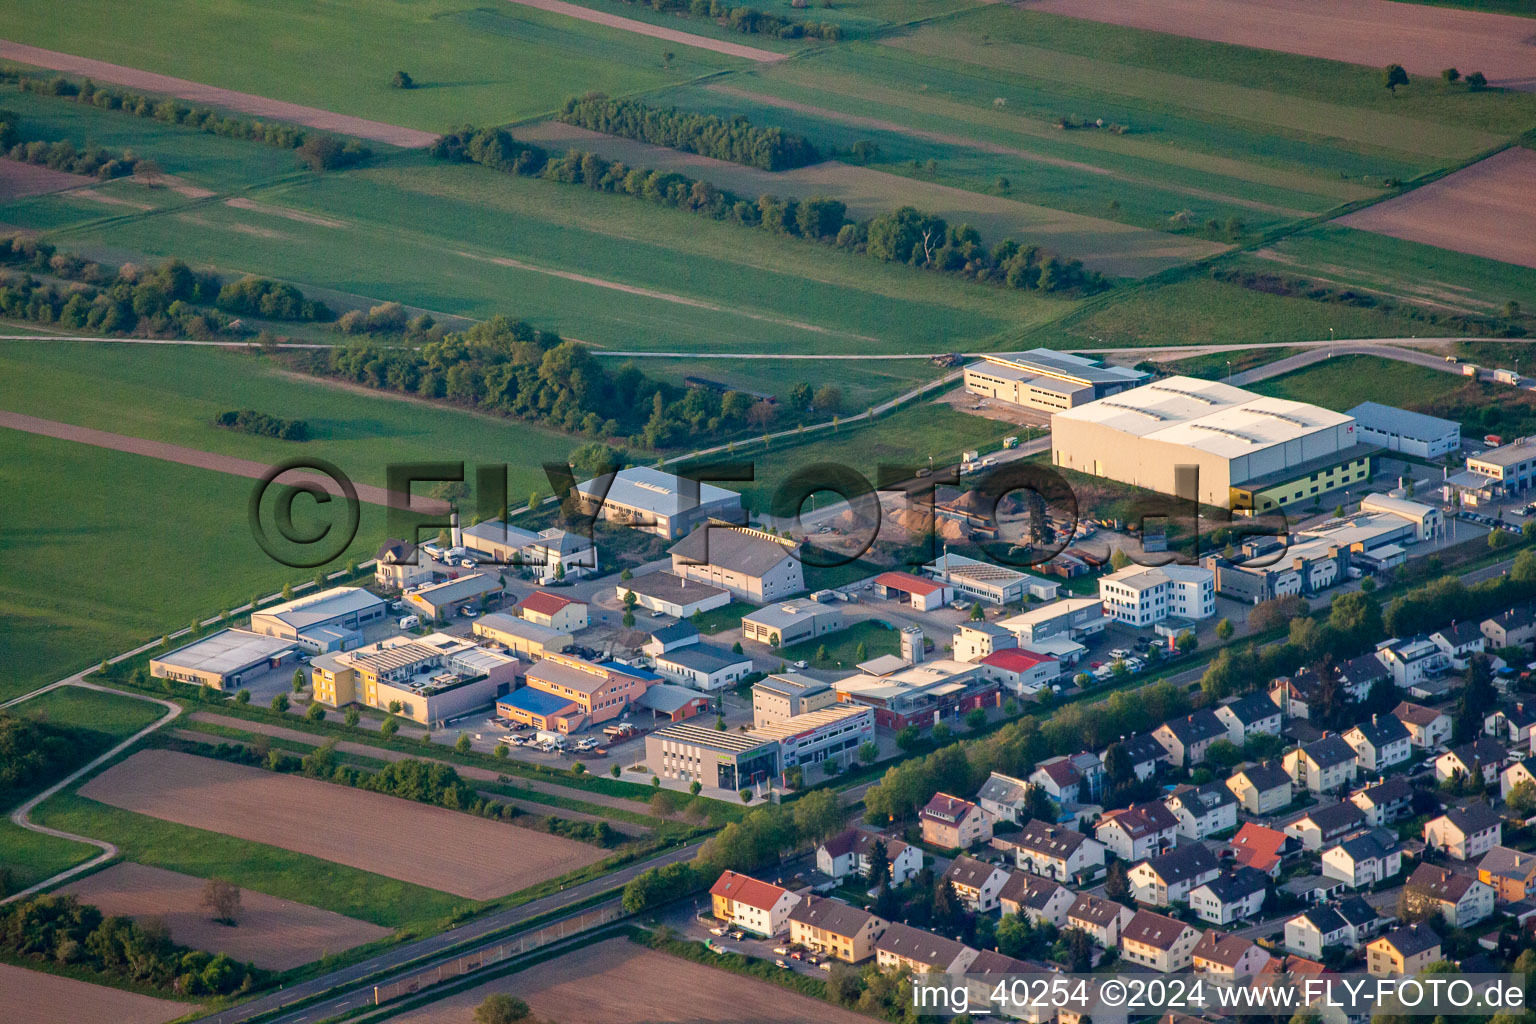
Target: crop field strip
35,997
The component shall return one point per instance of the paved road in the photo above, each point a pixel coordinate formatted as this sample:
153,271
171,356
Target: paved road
394,961
1320,354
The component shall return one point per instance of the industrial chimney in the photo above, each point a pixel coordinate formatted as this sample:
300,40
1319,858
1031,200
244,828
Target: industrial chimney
453,525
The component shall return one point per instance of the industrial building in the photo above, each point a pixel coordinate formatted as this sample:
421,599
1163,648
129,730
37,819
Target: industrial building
752,565
789,622
1247,451
1497,473
223,659
986,581
661,503
1047,380
1144,595
780,697
596,692
553,552
556,611
705,667
666,593
432,678
437,601
726,760
1411,433
923,595
331,620
1071,618
904,694
527,640
816,737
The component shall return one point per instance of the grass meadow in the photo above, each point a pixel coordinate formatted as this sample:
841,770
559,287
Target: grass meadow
31,857
111,716
487,65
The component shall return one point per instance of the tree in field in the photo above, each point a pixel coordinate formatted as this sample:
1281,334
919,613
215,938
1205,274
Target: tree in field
1394,76
395,707
977,613
500,1008
1118,559
402,80
149,172
1449,75
222,900
667,59
1477,81
280,703
243,697
821,654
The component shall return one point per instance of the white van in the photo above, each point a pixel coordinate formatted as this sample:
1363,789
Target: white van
410,621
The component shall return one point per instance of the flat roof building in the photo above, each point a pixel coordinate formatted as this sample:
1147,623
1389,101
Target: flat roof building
221,660
331,620
1506,470
787,622
725,760
832,734
442,600
783,696
1250,451
667,593
432,678
1412,433
1046,379
657,502
527,640
987,581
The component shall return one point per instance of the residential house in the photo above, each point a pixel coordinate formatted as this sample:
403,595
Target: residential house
1364,858
554,611
991,969
1459,641
1250,715
1261,848
1512,873
1379,743
1145,754
1161,943
906,948
1040,899
1483,758
1513,627
1513,725
1261,788
1406,951
1460,900
1427,728
1384,802
750,565
1411,661
1523,770
849,853
1301,695
398,565
1072,779
1348,922
1230,897
1186,739
1323,766
1465,833
1103,920
976,882
1322,826
834,928
1057,852
1202,810
1138,831
949,822
1227,956
1004,797
761,908
1169,877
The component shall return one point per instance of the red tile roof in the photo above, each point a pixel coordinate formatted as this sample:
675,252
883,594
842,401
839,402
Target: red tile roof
950,810
908,584
546,603
1014,659
1258,847
746,889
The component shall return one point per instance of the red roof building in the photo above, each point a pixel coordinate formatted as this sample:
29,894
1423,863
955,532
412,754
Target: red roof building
1258,847
924,595
554,611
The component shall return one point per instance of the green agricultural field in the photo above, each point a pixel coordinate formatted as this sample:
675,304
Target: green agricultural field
269,869
111,716
1346,381
1220,365
1437,279
1197,309
105,550
856,18
862,382
842,647
489,64
31,856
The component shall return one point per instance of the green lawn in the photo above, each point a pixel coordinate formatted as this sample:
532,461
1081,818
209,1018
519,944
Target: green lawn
151,544
723,618
269,869
31,857
862,382
1219,365
842,647
1346,381
488,64
112,716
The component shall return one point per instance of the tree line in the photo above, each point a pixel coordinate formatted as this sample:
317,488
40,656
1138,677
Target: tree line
736,140
249,421
62,155
62,930
751,21
907,235
32,753
316,150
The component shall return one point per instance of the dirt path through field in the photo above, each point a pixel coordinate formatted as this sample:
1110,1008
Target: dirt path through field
1374,33
618,803
241,203
196,92
33,997
1488,209
203,460
949,139
643,28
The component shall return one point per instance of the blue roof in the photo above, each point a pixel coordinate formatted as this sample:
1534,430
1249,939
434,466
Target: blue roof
629,670
536,702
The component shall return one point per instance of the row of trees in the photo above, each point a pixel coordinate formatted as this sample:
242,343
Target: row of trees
907,235
62,155
61,930
249,421
32,753
750,21
315,149
737,140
